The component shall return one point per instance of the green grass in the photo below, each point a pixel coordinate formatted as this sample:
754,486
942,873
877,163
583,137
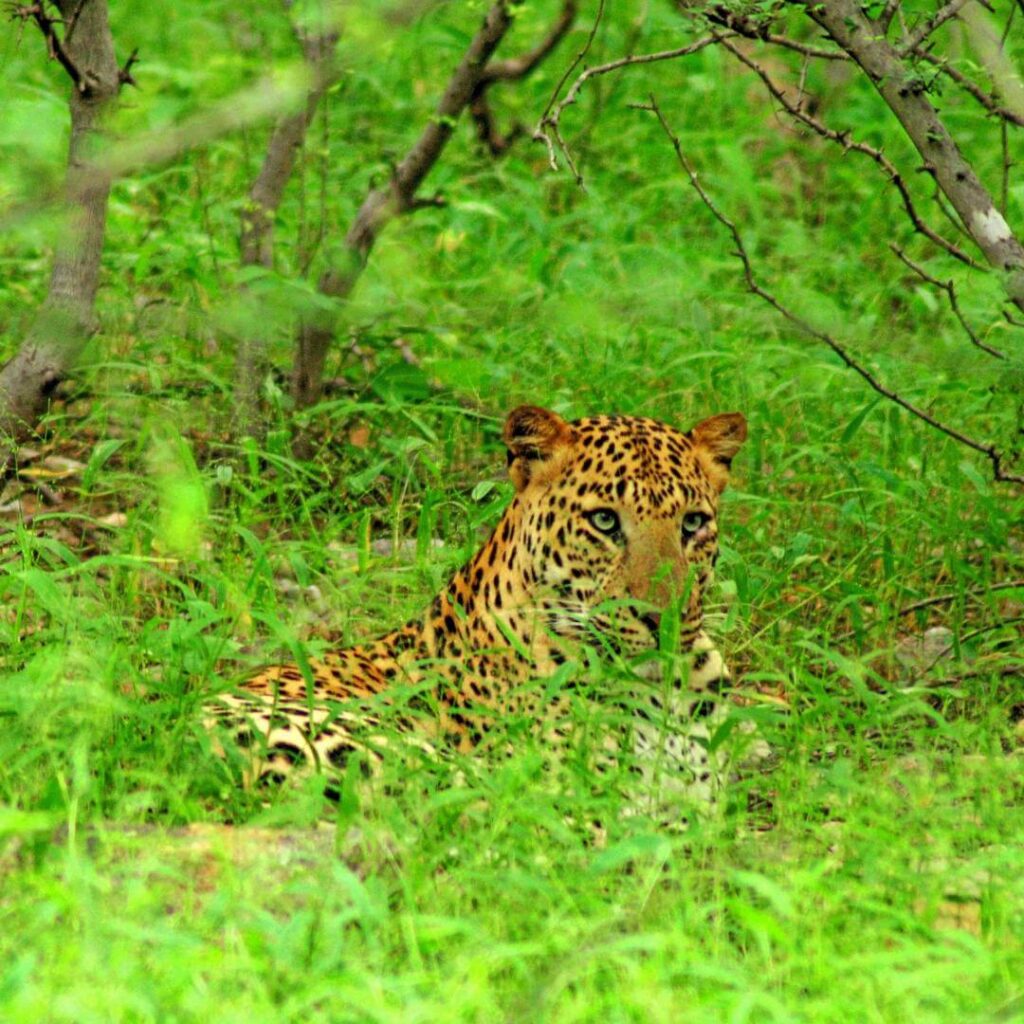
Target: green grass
873,875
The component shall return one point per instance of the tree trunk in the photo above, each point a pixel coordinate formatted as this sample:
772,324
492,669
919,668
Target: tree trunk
66,319
257,239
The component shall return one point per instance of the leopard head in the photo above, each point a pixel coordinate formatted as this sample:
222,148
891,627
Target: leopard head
619,518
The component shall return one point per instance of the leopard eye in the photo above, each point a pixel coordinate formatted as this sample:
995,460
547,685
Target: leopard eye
603,519
693,521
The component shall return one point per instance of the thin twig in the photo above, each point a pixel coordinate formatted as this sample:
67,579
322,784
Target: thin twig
950,289
551,118
948,648
1004,672
806,49
541,136
927,27
576,60
749,28
124,74
845,140
1004,142
989,102
603,97
988,450
931,602
1006,28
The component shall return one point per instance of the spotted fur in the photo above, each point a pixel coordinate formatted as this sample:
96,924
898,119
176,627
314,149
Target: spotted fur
614,523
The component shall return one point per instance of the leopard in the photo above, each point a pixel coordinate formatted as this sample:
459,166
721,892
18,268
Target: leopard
605,552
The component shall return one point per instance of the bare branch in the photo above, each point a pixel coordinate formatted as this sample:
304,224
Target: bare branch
989,102
257,228
805,48
511,69
576,60
845,140
998,469
950,289
901,89
930,602
934,601
550,122
48,26
124,73
927,27
289,132
972,635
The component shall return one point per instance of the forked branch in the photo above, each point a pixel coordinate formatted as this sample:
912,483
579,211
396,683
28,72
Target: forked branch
975,91
511,69
55,47
549,130
398,196
950,291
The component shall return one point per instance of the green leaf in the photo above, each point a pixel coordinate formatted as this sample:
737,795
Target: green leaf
855,424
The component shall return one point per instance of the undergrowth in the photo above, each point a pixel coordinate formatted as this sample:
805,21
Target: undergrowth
873,873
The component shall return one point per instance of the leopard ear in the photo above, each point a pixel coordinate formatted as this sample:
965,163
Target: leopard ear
718,439
534,437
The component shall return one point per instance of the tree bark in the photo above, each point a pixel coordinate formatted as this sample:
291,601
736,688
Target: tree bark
265,195
65,321
904,92
397,197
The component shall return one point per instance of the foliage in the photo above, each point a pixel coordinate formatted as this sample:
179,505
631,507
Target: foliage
877,866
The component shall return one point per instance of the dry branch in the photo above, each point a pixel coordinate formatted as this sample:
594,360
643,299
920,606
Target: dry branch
844,139
55,47
750,28
289,133
397,197
999,471
933,602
